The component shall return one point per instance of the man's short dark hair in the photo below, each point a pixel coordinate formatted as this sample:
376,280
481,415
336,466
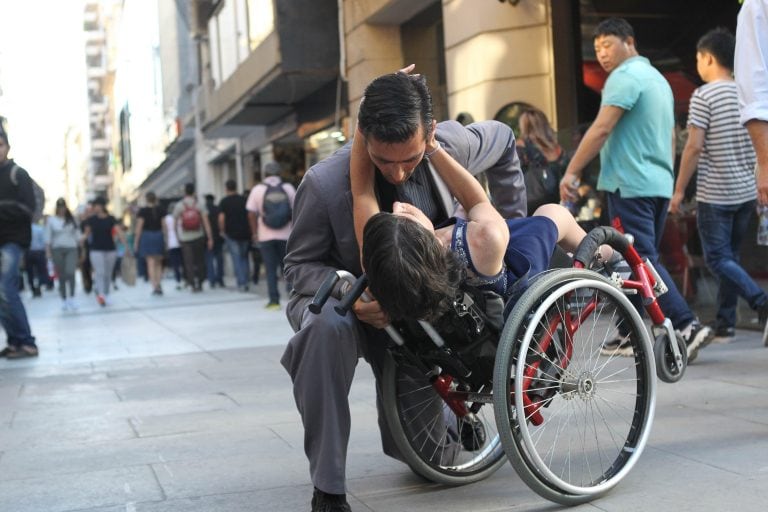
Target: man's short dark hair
4,136
209,198
618,27
394,106
230,185
410,273
719,43
189,188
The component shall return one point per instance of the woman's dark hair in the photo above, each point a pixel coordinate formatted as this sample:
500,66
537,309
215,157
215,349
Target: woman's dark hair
618,27
394,106
409,272
68,218
721,44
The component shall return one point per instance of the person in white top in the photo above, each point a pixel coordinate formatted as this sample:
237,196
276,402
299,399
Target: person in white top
62,237
172,244
270,205
751,73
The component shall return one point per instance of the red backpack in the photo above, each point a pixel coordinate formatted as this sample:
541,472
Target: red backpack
190,218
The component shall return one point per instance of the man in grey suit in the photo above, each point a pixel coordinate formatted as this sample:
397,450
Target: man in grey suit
322,355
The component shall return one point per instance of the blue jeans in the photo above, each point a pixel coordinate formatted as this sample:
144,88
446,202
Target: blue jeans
721,229
273,252
238,249
13,316
214,264
644,218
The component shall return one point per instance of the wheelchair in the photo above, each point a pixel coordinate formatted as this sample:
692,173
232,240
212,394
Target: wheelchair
528,379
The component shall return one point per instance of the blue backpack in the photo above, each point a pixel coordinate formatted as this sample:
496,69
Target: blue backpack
276,207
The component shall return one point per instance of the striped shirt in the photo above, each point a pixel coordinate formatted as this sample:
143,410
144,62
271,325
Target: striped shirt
727,161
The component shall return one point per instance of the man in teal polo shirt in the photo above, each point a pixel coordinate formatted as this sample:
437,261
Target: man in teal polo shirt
634,135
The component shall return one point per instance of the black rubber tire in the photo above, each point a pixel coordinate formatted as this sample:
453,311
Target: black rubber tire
449,464
520,328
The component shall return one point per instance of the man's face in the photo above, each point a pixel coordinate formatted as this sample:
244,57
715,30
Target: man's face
4,148
397,161
612,50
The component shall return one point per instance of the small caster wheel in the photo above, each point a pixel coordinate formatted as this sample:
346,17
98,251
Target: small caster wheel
667,368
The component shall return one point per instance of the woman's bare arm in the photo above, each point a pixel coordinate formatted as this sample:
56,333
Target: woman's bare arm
361,181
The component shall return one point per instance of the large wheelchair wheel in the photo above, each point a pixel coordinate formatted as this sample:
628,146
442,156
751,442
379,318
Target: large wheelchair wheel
573,421
435,443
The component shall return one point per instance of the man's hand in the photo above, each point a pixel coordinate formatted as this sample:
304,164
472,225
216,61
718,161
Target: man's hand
370,313
675,202
762,185
569,187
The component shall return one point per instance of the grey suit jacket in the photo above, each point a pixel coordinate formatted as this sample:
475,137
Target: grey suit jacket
323,237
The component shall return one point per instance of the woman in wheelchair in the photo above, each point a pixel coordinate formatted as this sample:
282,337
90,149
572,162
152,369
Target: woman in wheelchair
415,268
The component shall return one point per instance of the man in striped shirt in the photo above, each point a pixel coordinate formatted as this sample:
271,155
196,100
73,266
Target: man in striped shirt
725,187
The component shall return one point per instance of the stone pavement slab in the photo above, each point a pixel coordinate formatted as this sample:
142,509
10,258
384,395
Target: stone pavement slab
180,404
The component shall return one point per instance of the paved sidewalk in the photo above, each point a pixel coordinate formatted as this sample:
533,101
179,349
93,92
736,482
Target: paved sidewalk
179,403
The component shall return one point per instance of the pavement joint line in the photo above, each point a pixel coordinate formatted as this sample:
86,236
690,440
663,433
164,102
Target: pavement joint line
717,412
163,494
280,437
734,383
695,461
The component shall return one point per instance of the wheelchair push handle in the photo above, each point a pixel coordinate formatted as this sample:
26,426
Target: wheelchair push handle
325,290
597,237
354,293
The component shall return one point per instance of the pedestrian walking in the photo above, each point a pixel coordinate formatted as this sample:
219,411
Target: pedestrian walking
101,228
214,257
36,263
720,152
172,245
233,223
149,242
634,135
62,235
194,235
270,207
17,204
751,67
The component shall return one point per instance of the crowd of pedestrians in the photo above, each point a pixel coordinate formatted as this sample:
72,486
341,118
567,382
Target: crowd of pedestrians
186,238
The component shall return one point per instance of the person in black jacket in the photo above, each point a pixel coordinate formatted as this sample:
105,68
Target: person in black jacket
17,204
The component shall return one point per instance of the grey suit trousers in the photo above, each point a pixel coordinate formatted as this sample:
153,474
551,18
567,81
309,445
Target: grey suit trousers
321,359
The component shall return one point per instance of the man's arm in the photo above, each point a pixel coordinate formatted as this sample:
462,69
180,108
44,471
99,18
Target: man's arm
207,230
253,222
308,253
489,147
589,147
688,163
222,223
758,132
26,198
